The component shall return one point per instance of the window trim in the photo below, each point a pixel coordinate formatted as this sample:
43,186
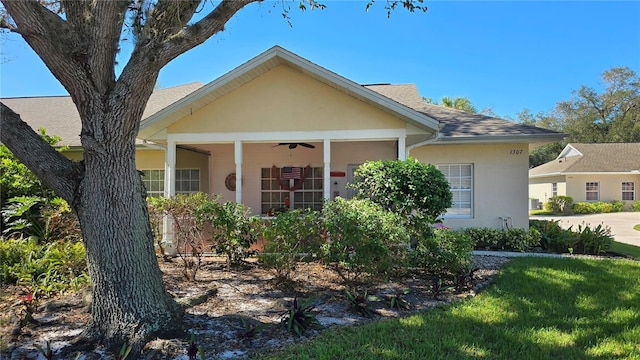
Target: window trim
554,189
160,193
471,190
293,202
632,191
596,191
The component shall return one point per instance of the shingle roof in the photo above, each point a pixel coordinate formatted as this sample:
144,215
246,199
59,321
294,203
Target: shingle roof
593,158
460,124
59,116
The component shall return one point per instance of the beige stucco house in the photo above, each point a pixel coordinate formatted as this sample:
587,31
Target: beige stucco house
589,172
282,131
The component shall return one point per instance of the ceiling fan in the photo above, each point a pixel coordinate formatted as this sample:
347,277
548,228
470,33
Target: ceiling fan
293,145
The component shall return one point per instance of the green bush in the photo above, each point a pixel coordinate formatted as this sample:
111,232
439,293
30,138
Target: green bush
584,208
189,231
552,237
602,207
617,206
500,239
598,207
591,241
446,251
234,230
48,269
418,192
559,204
363,238
583,240
290,236
635,206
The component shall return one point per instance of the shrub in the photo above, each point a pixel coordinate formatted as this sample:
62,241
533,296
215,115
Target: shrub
418,192
49,269
289,235
598,207
552,237
503,239
583,240
362,238
635,206
234,231
591,241
602,207
584,208
559,204
189,233
446,251
617,206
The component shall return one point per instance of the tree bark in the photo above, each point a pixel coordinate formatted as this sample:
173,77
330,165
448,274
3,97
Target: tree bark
130,302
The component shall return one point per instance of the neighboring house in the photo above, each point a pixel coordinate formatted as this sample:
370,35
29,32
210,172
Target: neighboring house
281,131
589,172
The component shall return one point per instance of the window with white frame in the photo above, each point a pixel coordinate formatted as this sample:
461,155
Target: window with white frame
299,188
187,181
592,191
554,189
628,190
460,178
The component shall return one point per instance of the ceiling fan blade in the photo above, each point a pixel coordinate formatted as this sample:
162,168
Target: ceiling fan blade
307,145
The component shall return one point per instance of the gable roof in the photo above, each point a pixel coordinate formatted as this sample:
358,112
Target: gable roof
261,64
59,116
462,126
592,158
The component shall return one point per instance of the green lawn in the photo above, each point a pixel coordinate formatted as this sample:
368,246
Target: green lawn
637,227
537,308
626,249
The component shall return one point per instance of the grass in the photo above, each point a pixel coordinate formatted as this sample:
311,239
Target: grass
637,227
543,212
537,308
626,249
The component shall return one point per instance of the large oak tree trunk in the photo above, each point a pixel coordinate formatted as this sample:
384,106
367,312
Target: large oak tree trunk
129,301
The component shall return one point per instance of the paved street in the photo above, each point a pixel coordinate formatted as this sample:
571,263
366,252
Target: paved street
621,224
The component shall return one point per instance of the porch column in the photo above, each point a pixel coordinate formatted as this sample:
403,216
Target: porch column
168,234
237,147
170,169
402,155
326,185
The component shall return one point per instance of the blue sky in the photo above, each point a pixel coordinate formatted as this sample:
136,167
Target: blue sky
503,55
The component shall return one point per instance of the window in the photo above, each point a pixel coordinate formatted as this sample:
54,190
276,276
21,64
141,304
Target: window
153,180
307,183
187,181
628,190
460,177
593,191
554,189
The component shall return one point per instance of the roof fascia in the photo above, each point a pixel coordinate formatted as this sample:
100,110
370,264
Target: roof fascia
533,138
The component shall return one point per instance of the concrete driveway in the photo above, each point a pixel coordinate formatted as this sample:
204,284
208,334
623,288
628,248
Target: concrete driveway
621,224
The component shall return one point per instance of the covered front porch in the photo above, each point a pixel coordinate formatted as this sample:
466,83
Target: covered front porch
282,170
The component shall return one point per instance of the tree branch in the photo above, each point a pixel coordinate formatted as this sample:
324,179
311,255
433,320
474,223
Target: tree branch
195,34
56,171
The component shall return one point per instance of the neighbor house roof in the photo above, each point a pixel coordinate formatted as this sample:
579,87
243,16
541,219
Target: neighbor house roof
578,158
59,116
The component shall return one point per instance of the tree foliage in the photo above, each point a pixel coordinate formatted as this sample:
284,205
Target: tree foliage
590,116
404,187
460,103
